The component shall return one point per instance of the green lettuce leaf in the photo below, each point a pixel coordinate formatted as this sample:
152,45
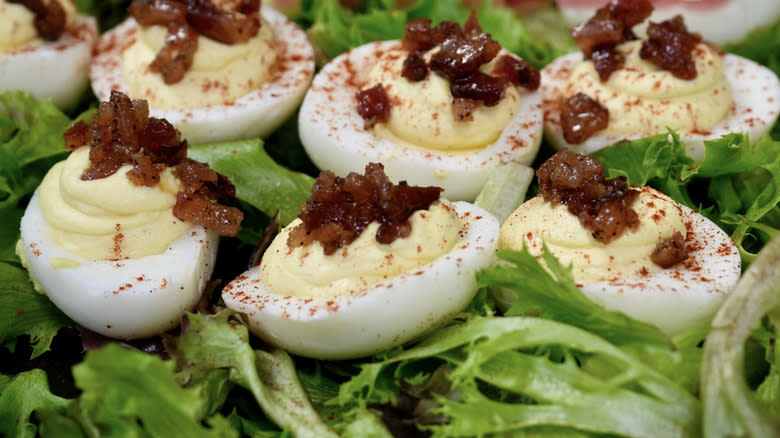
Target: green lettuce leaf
258,179
731,408
20,396
214,342
115,399
552,293
23,311
736,185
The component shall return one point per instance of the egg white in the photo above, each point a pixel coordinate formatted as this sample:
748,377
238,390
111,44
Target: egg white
127,298
256,114
56,70
378,318
684,296
756,104
333,133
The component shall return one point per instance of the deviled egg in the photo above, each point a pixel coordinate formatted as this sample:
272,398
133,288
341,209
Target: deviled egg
367,266
217,70
122,235
633,250
620,88
34,37
445,106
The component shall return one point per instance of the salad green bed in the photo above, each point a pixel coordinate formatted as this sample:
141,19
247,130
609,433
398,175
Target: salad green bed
553,364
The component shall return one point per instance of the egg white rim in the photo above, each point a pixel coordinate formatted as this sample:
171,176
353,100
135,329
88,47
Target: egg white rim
115,294
699,285
331,132
306,325
256,114
30,68
756,105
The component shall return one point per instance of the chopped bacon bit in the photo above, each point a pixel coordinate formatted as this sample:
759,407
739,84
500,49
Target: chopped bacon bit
670,251
479,86
518,71
463,51
414,68
373,105
581,117
121,132
177,54
670,46
610,26
185,20
339,209
222,25
602,205
50,20
464,109
606,60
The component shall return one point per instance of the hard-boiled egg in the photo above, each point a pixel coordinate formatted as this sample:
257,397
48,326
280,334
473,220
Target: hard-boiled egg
643,100
620,275
56,70
255,114
365,321
335,136
125,298
719,21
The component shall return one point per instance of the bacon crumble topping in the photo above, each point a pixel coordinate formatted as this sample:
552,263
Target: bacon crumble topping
50,20
463,50
339,209
185,20
581,117
121,132
602,205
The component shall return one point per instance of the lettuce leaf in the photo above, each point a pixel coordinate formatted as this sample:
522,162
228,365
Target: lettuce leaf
20,396
736,185
258,179
23,311
30,142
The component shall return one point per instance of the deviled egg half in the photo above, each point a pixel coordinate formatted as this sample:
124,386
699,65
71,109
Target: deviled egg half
218,70
633,250
619,88
122,236
37,36
367,266
444,106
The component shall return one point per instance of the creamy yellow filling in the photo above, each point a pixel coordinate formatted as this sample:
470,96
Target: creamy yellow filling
108,218
422,114
642,98
17,30
307,271
537,222
220,73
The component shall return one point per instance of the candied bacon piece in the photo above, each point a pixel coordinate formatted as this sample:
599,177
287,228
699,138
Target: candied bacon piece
339,209
414,68
373,105
157,12
581,117
518,71
463,109
670,252
597,32
121,132
606,60
670,46
177,54
222,25
50,20
417,35
602,205
479,86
